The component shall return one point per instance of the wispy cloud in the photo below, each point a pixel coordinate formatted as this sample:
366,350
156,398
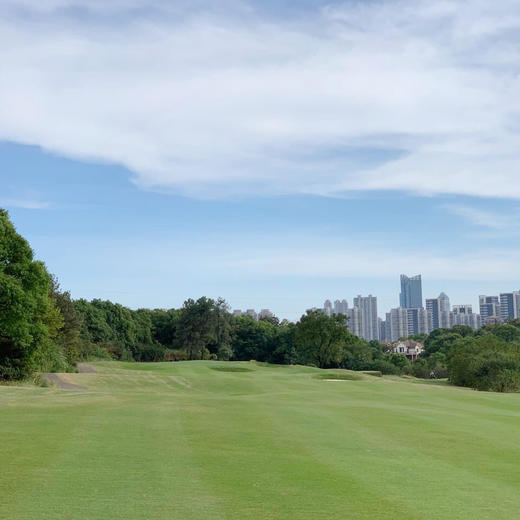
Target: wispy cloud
24,203
486,219
217,101
369,262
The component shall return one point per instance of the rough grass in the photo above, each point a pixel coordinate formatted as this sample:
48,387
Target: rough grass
179,441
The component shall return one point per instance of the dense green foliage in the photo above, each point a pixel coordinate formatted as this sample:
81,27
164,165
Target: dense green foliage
43,329
28,318
486,359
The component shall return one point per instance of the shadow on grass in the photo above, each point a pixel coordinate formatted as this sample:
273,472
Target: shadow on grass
232,369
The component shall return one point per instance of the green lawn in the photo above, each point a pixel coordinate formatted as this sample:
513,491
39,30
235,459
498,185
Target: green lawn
186,441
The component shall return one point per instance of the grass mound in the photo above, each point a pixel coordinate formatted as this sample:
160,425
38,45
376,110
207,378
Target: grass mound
375,373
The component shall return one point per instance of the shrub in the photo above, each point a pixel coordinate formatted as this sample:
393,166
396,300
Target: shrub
486,363
385,367
420,368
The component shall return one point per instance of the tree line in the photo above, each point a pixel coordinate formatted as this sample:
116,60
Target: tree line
42,329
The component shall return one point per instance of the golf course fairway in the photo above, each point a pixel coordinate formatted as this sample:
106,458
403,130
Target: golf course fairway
216,440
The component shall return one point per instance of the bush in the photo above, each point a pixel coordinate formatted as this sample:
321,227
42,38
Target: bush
51,358
150,353
175,355
421,369
385,367
485,363
90,351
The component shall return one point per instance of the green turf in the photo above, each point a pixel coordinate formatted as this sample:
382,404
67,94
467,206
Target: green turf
185,441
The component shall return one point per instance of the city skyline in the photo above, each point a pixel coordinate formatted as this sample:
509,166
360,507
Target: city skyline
417,316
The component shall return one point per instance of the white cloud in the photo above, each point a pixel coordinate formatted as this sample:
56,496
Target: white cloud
360,261
487,219
213,103
24,203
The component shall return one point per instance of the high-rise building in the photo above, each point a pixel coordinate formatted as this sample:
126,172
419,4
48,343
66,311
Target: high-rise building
382,331
439,312
354,321
340,307
466,318
510,305
396,325
411,292
489,308
418,321
444,302
446,320
252,313
463,309
433,306
327,308
464,315
265,313
367,306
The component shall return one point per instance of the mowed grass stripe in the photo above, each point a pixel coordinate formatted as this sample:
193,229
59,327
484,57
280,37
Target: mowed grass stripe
182,440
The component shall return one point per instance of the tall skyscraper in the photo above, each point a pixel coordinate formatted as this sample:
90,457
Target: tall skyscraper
510,305
368,310
354,321
433,306
489,308
340,307
327,308
396,325
444,302
418,322
439,314
463,309
411,292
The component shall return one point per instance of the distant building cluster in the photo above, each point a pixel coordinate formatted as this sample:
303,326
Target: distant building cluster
264,313
413,317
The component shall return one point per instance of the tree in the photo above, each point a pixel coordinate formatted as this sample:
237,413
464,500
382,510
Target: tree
26,310
252,339
485,363
441,340
221,346
165,325
284,351
506,331
196,327
320,339
68,336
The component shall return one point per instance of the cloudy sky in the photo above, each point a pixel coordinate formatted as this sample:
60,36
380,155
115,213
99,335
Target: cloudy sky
274,153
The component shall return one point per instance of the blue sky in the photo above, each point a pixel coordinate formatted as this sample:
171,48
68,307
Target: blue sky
275,154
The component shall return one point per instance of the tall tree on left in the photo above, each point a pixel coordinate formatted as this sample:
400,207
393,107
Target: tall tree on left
26,308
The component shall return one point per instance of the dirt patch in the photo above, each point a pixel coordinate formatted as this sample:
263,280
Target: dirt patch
85,368
55,379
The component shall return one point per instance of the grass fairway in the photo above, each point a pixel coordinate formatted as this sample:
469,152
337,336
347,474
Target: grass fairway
206,440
